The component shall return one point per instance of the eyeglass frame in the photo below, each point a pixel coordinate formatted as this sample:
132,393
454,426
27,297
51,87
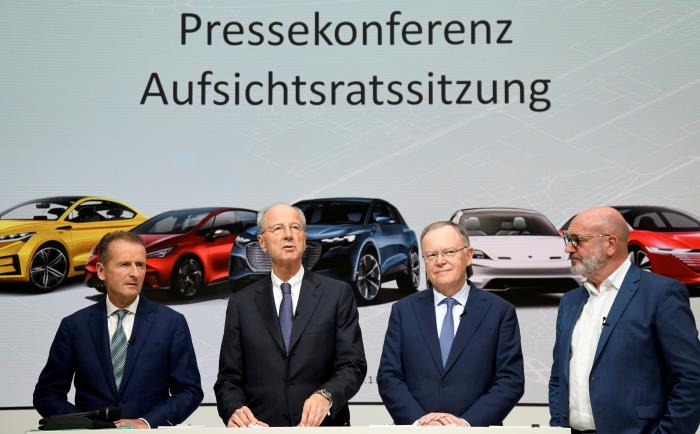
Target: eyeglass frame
448,253
292,228
576,240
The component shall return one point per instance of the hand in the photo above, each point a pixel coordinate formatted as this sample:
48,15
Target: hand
243,418
315,410
133,423
441,419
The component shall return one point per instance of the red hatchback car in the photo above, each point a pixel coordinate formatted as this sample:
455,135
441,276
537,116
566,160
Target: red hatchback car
186,249
663,240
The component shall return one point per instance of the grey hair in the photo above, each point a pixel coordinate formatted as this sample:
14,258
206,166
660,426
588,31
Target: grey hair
437,225
263,213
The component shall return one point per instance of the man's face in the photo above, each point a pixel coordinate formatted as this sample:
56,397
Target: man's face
283,238
124,271
447,275
590,256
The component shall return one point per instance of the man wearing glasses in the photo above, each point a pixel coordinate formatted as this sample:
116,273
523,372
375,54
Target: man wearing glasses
451,354
627,355
292,350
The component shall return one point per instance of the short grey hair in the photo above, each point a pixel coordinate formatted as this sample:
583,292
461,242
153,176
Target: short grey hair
263,213
437,225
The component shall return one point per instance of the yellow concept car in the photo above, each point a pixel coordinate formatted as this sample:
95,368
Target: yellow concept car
46,240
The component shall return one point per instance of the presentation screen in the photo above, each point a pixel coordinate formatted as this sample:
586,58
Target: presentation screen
381,116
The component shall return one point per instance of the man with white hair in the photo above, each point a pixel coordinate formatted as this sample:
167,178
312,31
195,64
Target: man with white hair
292,350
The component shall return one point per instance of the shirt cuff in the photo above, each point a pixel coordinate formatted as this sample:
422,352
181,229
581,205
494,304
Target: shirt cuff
146,422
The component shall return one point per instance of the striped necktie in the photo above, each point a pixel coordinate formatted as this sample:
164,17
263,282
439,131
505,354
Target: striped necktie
118,347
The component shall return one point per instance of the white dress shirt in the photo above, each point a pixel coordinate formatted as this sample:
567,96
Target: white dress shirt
584,342
441,309
127,322
295,281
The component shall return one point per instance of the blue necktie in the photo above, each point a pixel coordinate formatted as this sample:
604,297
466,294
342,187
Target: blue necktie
118,347
447,333
286,314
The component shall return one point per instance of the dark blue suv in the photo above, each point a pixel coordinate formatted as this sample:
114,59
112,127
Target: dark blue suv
361,241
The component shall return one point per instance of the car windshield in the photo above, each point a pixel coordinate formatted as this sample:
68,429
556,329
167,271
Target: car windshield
172,222
43,209
506,222
660,220
334,213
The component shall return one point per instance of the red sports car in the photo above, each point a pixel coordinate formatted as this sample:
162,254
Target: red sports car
663,240
186,249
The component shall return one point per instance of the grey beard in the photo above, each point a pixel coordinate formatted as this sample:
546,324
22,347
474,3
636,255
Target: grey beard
588,267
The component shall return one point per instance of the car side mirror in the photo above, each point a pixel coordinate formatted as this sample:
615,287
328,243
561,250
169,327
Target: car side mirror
219,233
384,219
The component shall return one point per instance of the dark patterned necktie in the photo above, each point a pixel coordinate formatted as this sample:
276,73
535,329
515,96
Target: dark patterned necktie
286,314
118,347
447,333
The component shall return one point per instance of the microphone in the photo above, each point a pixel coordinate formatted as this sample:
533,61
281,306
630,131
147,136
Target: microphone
109,414
132,340
605,321
463,312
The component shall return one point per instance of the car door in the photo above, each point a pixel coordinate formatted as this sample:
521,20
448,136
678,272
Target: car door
219,241
388,235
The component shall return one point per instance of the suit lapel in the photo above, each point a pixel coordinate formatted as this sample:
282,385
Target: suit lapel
100,338
308,300
143,322
568,323
476,308
265,303
424,308
629,287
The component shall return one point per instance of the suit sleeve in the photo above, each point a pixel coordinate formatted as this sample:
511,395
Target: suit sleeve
184,382
228,387
677,338
402,406
556,418
51,391
509,379
350,366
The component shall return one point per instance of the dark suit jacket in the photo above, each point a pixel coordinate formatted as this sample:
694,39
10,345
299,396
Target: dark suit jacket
483,378
161,381
325,352
646,371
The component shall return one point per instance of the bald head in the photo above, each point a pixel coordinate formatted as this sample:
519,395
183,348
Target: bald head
605,220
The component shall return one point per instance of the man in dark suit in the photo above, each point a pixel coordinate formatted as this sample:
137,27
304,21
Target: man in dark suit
451,354
627,355
292,350
125,351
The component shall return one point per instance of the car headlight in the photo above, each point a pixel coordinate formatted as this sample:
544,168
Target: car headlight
335,240
242,240
478,254
667,250
16,237
161,253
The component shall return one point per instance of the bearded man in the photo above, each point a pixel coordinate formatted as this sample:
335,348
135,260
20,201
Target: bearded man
627,355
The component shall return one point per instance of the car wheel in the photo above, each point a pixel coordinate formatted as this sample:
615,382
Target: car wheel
409,282
48,267
188,277
640,258
369,276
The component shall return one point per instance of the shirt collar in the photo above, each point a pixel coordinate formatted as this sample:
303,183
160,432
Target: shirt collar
613,282
111,308
294,280
461,295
